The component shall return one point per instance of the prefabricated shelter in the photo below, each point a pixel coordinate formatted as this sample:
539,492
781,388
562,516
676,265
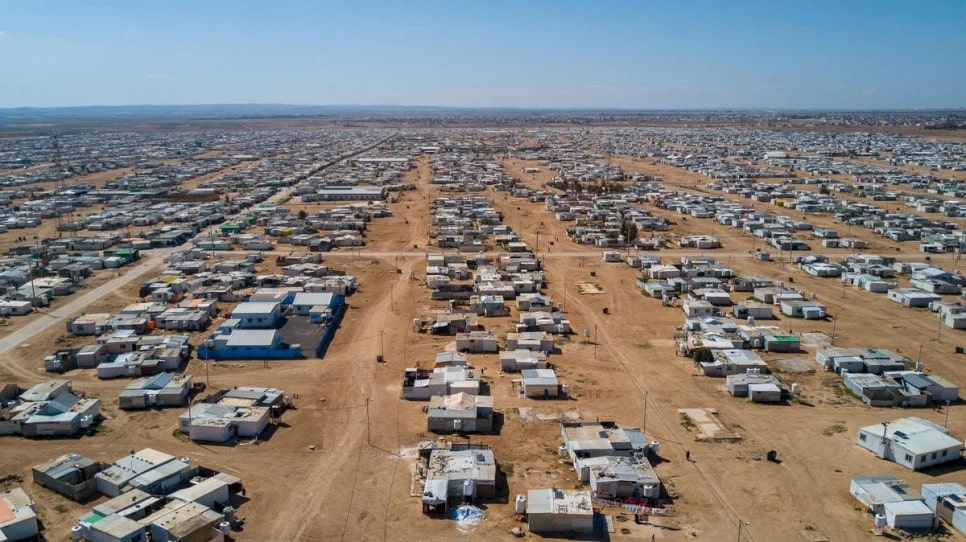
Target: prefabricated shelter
18,520
560,511
421,384
210,492
782,343
912,297
875,491
458,474
732,361
537,341
519,360
753,309
913,442
585,440
71,475
461,413
540,383
809,310
184,522
948,500
257,315
477,342
760,388
909,515
624,477
113,528
160,390
118,477
212,422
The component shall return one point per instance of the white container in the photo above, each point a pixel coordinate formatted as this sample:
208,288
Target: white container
521,504
655,448
880,521
76,532
225,528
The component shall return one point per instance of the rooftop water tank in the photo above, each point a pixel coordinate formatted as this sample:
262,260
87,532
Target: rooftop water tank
521,504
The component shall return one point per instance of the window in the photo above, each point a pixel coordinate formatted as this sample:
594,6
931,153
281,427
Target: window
945,452
908,457
862,437
934,455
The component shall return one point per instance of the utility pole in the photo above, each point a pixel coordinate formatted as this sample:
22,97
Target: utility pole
740,522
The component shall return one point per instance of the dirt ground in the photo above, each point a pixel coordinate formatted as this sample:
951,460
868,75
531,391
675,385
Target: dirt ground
357,483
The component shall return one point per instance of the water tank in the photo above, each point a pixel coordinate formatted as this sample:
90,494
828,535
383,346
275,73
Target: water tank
86,421
229,513
565,389
655,448
468,487
918,366
880,521
76,532
650,490
225,528
751,320
562,450
521,504
457,424
796,389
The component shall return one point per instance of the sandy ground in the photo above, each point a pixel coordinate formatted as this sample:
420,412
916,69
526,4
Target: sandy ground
356,484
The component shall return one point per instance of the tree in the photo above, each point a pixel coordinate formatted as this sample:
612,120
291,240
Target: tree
303,215
629,230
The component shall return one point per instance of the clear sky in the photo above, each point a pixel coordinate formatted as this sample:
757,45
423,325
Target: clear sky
844,54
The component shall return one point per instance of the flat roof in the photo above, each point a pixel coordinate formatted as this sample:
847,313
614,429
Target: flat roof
560,501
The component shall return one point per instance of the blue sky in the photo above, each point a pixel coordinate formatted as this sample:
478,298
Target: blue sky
637,54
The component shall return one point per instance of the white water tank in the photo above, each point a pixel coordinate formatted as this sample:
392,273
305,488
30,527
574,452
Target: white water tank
468,488
562,450
86,421
880,521
76,532
655,448
751,320
225,528
565,389
650,490
918,366
457,424
796,389
521,504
